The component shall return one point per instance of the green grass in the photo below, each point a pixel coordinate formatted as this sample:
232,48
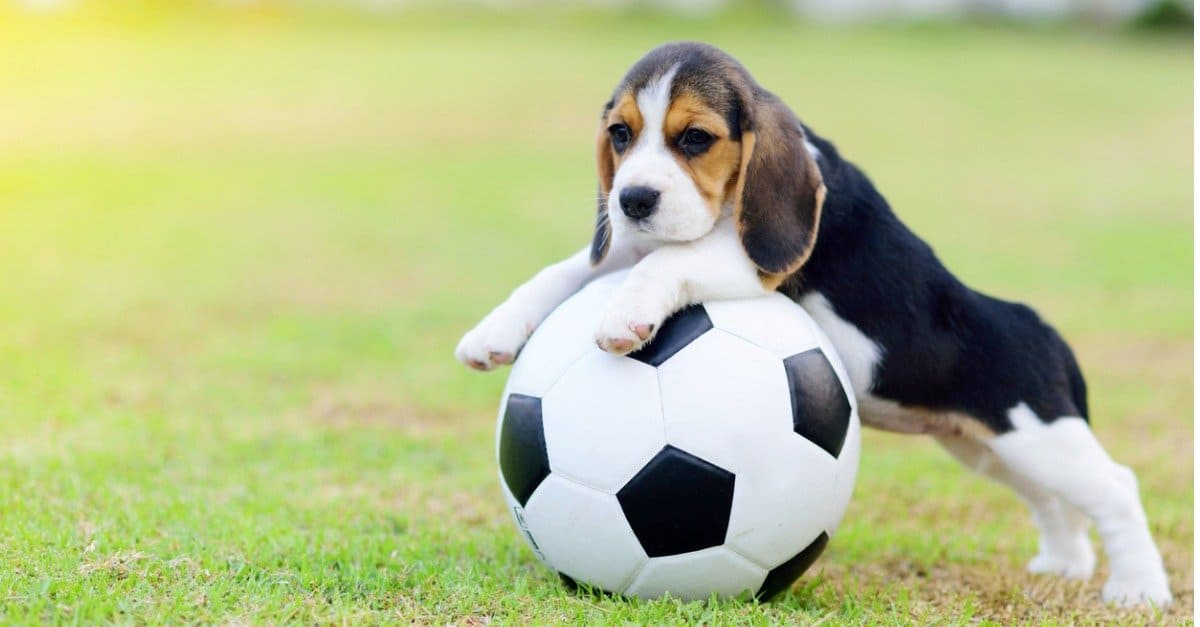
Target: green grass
237,248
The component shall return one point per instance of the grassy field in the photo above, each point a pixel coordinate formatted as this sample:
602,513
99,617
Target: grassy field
236,251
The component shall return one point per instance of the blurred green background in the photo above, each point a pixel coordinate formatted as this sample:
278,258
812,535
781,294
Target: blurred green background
238,245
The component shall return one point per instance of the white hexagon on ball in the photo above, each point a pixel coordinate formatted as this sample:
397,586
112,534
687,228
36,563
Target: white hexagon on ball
698,575
600,435
770,322
582,534
701,405
718,459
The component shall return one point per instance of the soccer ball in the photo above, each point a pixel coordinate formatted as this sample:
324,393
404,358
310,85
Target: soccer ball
718,459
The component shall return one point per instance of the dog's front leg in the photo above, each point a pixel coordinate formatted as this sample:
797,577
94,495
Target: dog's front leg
714,267
498,338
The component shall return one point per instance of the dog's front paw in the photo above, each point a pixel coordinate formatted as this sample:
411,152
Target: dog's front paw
628,324
1145,588
495,341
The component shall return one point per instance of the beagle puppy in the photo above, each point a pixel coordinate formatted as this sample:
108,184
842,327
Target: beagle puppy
711,188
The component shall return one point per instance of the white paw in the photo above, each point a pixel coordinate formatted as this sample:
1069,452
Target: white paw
1080,564
495,341
628,324
1148,587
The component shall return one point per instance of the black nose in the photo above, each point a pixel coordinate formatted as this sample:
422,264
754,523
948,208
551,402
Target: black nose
638,202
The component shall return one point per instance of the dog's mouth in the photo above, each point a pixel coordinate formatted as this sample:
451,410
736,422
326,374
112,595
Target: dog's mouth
641,226
645,228
667,231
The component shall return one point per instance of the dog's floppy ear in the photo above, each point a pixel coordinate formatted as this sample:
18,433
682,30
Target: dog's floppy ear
780,189
602,237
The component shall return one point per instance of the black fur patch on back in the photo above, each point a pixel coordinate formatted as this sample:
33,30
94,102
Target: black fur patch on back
944,346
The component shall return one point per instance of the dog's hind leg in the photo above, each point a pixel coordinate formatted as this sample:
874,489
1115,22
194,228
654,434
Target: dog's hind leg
1062,458
1064,548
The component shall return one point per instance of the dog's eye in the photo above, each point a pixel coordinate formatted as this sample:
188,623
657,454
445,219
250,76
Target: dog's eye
619,133
694,141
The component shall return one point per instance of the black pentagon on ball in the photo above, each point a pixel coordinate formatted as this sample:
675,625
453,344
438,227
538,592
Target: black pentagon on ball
820,409
782,576
523,459
678,503
677,332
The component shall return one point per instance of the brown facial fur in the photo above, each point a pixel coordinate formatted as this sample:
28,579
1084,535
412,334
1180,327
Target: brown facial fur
602,234
624,110
715,170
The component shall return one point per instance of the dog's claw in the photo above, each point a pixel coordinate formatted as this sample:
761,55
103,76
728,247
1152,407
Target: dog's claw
500,357
618,345
495,341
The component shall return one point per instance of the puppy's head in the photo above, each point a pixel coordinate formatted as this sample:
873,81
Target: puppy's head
689,135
